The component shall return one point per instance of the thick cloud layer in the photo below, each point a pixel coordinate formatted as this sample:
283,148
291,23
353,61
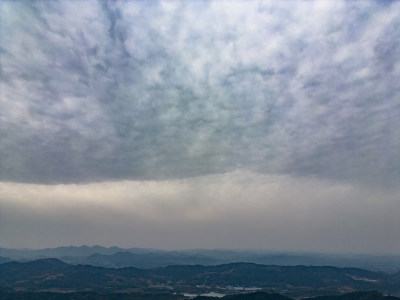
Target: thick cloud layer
94,91
261,124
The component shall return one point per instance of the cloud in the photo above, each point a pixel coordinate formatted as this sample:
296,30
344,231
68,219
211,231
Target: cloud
200,124
231,210
154,91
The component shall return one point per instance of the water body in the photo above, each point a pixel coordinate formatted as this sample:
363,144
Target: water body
213,294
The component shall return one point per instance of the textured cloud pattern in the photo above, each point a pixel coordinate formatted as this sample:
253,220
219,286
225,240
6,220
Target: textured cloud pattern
97,91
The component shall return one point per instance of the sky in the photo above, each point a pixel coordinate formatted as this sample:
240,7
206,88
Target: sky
201,124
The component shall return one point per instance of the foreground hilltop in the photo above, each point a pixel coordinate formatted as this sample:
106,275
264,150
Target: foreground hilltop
122,296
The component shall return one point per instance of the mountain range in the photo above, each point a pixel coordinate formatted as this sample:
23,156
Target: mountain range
116,257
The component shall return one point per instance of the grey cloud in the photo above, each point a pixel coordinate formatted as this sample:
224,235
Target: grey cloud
279,212
117,90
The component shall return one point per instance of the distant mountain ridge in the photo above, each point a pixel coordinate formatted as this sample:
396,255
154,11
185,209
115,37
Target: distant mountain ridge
59,251
116,257
146,260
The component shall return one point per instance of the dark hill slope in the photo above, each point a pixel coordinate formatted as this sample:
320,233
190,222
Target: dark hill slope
163,296
248,274
54,274
86,296
372,295
4,259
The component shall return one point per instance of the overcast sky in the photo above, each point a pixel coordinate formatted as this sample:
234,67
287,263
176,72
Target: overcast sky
201,124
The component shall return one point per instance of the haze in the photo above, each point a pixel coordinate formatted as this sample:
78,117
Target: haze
201,124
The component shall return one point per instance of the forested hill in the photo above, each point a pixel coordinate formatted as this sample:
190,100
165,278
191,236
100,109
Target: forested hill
371,295
55,275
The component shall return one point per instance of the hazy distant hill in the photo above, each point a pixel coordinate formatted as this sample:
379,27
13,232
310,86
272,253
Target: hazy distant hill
148,258
50,274
365,261
58,252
